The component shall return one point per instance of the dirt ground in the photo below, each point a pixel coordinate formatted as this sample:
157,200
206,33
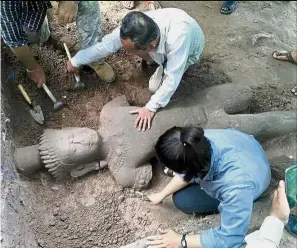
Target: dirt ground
95,212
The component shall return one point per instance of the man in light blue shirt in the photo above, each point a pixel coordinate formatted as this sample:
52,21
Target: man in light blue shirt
169,37
218,170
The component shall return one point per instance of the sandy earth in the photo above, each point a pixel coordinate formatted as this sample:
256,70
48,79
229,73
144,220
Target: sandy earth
93,211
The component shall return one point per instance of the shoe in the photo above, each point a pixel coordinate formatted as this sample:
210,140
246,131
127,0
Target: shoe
104,71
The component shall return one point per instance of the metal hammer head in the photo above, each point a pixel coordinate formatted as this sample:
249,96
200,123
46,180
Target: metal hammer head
58,105
79,85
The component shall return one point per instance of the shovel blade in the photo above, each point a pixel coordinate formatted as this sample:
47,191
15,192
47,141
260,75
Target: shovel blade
37,114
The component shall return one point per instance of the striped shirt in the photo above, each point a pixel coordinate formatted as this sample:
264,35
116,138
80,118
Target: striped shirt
181,44
17,15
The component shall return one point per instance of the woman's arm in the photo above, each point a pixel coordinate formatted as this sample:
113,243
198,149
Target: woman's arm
174,185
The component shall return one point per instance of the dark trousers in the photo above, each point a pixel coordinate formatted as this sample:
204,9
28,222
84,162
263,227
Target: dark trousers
192,199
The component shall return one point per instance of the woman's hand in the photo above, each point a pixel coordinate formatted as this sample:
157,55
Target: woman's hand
156,198
167,239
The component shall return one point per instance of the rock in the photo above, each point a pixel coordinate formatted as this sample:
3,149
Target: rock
55,188
63,218
121,198
52,223
40,242
279,89
260,36
139,194
108,226
56,211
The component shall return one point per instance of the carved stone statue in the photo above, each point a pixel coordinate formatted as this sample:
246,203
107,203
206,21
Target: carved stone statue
128,151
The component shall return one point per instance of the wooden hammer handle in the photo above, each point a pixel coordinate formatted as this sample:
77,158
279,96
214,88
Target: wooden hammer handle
67,51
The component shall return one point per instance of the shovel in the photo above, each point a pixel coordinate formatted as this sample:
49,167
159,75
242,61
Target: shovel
35,110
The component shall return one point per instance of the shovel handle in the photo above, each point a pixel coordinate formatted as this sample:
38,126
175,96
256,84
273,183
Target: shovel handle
49,93
67,51
77,77
25,95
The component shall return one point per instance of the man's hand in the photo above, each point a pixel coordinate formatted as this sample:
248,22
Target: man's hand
156,198
144,119
70,68
66,11
167,239
37,75
280,206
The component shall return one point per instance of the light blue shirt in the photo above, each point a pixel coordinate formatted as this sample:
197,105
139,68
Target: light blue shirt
239,174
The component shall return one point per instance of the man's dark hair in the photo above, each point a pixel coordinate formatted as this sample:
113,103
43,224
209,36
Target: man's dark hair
185,150
139,28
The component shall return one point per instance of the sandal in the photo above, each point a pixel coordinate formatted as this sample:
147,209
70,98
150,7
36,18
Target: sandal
286,54
227,7
294,90
129,4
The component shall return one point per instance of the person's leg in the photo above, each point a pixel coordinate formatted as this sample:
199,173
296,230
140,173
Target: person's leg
40,36
88,22
192,199
228,7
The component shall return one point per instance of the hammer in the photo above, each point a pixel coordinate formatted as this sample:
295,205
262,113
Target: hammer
57,104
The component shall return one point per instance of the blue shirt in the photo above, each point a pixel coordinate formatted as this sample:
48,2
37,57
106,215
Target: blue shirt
239,174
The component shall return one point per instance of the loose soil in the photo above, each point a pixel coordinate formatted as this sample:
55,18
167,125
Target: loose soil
94,211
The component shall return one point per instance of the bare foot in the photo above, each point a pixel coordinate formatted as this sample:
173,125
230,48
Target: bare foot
286,56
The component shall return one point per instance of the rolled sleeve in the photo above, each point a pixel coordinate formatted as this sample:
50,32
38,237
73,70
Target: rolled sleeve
111,43
236,211
173,72
11,26
269,235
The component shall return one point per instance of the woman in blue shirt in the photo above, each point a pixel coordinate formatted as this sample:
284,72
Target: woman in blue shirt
217,170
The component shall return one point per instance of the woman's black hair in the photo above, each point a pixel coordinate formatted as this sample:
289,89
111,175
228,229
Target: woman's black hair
139,28
185,150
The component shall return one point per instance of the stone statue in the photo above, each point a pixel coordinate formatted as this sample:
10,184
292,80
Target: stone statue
128,151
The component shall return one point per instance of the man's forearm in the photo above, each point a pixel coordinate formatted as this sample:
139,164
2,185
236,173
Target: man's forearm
24,54
91,54
174,185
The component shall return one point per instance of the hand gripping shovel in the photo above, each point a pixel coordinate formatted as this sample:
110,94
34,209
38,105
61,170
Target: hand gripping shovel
35,110
79,84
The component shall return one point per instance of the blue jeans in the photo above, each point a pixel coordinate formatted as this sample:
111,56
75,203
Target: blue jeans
192,199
